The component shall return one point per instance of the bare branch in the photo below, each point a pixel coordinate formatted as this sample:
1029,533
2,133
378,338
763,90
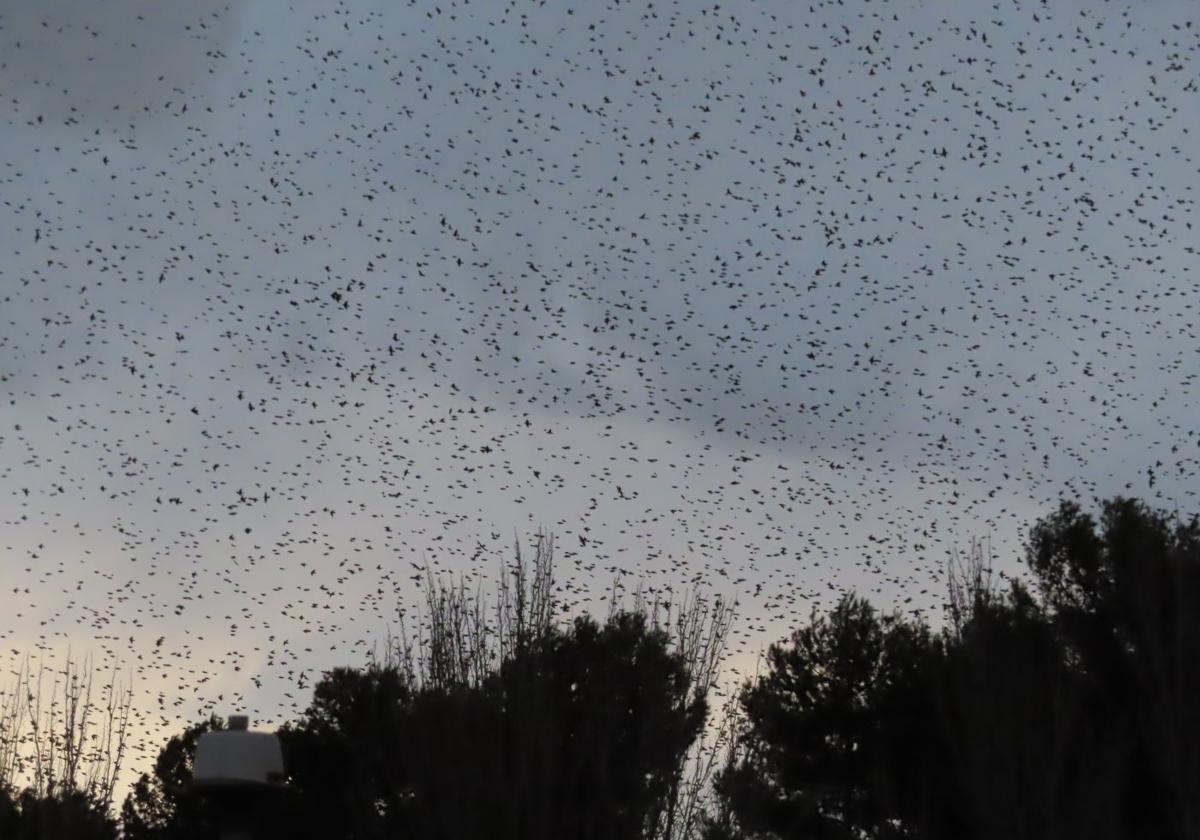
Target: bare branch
62,747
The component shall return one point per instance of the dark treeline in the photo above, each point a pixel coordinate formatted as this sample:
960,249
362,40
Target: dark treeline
1069,711
1060,709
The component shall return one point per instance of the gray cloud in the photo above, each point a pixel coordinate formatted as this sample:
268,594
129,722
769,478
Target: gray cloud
73,63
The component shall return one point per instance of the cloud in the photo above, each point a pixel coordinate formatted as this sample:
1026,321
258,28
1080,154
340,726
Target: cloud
78,62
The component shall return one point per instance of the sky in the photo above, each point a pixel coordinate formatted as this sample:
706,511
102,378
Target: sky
771,299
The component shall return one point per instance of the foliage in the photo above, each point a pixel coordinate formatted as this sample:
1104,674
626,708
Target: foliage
1123,592
578,735
159,807
64,815
1063,713
826,724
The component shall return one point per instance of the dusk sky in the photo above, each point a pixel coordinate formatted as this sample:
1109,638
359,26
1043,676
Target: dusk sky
775,299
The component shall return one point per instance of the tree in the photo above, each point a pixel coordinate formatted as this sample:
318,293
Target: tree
827,727
54,755
517,726
1124,593
580,735
463,659
159,806
1026,758
64,815
69,757
1065,712
342,757
512,726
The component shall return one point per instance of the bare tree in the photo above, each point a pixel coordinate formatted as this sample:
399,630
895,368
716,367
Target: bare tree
76,745
457,644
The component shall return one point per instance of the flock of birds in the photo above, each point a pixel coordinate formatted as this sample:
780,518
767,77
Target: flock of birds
772,299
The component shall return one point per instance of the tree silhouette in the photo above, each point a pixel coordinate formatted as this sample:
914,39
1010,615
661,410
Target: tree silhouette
579,734
70,742
65,815
517,727
1065,713
1123,592
828,751
342,758
1024,757
66,747
159,806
